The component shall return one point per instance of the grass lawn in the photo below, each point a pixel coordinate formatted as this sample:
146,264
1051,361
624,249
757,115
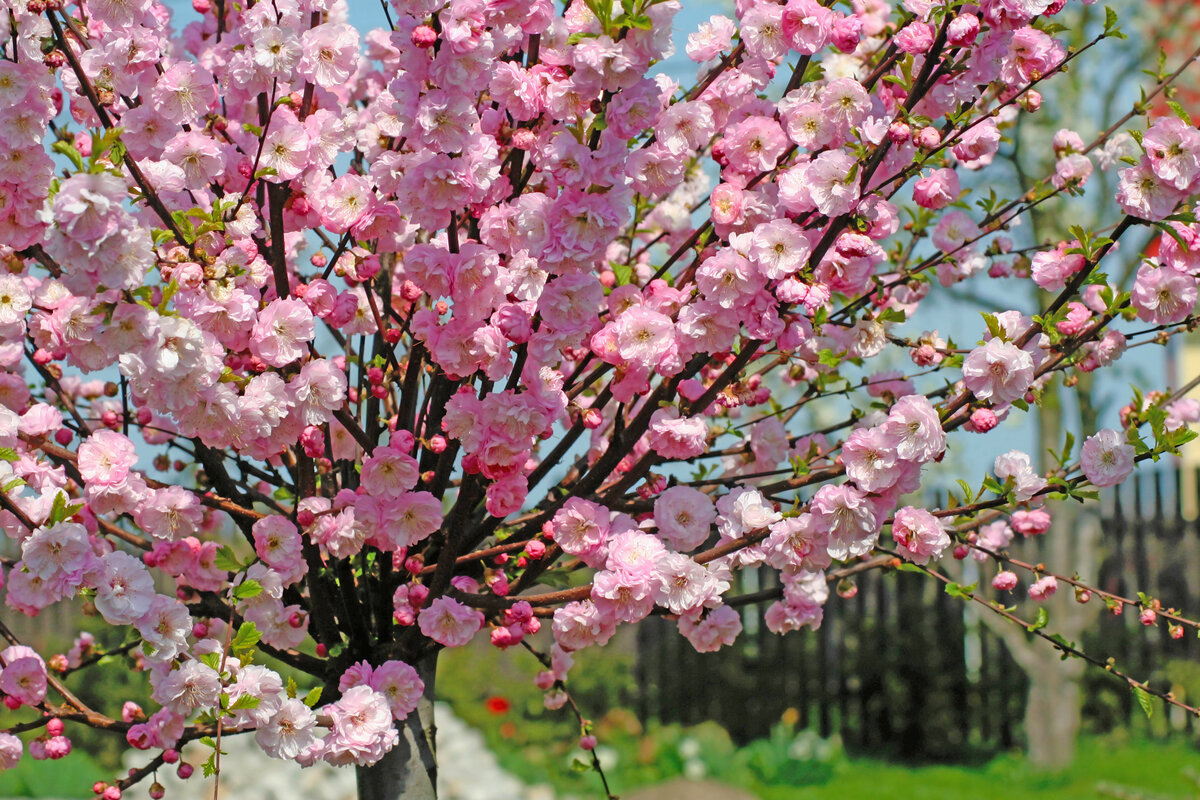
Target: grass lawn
1104,768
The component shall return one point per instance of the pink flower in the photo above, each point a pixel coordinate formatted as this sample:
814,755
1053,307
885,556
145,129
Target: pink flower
1173,149
400,684
1141,193
807,25
289,732
1162,295
919,535
389,472
915,429
915,37
10,750
184,92
1016,465
681,585
328,54
870,458
755,144
449,622
1005,581
711,38
580,526
798,542
87,207
362,731
23,678
848,516
191,687
684,517
580,624
1043,588
673,437
937,190
124,589
744,511
716,629
1033,522
998,371
1106,459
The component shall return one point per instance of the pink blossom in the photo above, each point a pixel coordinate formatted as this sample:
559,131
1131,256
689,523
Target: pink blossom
449,622
998,371
848,516
1005,581
400,684
684,517
936,190
1043,588
1106,458
919,535
716,629
1017,466
1162,295
362,731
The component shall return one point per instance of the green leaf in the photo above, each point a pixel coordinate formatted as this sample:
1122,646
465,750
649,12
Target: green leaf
1040,621
291,688
227,560
61,511
993,326
1179,112
247,636
245,701
211,660
623,273
8,454
1110,24
247,589
1143,698
313,697
904,566
962,592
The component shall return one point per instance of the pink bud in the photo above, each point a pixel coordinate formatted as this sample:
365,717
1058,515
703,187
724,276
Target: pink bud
544,680
424,36
322,650
535,549
306,517
587,742
1148,616
157,791
170,756
524,139
962,30
1004,581
899,132
54,727
112,793
928,138
983,420
199,630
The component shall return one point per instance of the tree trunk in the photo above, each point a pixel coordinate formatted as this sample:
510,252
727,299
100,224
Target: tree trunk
1052,710
409,770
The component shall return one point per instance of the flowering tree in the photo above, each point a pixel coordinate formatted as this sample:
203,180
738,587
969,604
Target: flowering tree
406,329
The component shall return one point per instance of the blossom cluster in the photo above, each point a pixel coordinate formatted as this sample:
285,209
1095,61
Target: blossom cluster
411,317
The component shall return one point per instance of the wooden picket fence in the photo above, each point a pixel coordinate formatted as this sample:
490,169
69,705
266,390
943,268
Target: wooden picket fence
904,669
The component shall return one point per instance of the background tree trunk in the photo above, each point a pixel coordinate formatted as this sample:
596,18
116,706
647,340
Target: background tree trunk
409,771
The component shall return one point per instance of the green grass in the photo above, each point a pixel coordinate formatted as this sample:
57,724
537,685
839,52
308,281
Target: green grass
72,776
1104,768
